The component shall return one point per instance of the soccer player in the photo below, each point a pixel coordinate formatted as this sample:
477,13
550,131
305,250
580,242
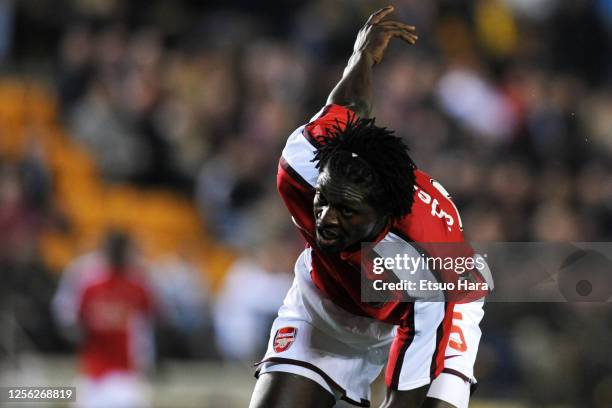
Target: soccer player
108,301
347,181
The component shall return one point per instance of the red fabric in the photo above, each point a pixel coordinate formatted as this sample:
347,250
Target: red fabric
331,116
107,311
445,332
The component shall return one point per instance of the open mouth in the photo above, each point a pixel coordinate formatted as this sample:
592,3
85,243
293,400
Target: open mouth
327,235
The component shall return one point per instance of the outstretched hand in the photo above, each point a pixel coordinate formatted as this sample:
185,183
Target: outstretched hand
374,36
354,90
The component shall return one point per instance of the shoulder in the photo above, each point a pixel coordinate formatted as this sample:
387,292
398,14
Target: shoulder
434,216
296,162
328,118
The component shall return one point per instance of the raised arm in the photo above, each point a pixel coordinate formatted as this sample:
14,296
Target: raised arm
355,88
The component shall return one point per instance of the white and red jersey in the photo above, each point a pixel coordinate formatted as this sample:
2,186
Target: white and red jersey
433,219
115,314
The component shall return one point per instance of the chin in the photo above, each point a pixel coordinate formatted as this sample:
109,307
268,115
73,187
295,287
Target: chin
330,248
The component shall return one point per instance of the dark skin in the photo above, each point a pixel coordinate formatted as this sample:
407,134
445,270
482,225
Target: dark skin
344,217
286,390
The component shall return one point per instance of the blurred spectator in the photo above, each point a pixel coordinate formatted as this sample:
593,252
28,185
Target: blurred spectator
254,289
107,299
118,150
184,303
25,204
75,65
25,211
469,98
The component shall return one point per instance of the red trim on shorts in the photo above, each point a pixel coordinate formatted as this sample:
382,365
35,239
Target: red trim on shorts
442,337
458,374
473,385
327,378
400,345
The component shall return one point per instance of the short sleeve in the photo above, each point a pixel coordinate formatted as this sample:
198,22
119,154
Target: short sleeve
328,118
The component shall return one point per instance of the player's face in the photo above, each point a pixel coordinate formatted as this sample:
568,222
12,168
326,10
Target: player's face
343,214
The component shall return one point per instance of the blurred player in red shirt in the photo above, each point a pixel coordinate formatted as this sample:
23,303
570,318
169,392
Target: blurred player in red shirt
108,297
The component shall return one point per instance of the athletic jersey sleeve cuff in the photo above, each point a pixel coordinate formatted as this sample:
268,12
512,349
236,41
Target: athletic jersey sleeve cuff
330,116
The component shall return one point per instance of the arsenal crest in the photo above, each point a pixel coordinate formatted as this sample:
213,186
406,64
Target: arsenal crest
284,338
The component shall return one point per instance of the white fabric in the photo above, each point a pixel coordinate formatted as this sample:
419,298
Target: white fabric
452,389
302,371
350,349
116,390
74,280
416,368
298,153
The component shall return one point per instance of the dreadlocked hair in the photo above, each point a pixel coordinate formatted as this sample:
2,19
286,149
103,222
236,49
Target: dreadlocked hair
372,156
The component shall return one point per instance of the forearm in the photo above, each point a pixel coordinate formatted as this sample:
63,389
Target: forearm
354,90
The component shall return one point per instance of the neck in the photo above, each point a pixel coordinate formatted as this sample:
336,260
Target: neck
370,238
377,230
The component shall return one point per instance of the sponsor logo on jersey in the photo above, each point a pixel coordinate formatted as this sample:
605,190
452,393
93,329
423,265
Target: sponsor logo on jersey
436,210
284,338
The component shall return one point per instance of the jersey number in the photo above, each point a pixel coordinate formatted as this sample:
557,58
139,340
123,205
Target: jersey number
460,345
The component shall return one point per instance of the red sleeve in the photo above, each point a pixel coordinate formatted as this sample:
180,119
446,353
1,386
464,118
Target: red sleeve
332,115
297,174
295,188
298,196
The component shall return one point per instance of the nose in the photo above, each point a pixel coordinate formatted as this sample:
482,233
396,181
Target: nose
329,217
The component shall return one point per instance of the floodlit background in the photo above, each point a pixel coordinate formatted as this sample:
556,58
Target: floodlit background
166,119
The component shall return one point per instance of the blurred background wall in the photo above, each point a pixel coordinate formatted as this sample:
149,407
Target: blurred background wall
166,119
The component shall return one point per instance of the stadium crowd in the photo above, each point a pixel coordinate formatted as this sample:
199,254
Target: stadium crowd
507,103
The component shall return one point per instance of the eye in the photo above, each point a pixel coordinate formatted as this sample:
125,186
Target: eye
347,212
320,198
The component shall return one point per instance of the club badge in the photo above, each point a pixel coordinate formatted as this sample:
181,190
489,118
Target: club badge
284,338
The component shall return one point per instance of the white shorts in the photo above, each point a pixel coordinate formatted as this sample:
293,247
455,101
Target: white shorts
457,378
117,390
345,353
